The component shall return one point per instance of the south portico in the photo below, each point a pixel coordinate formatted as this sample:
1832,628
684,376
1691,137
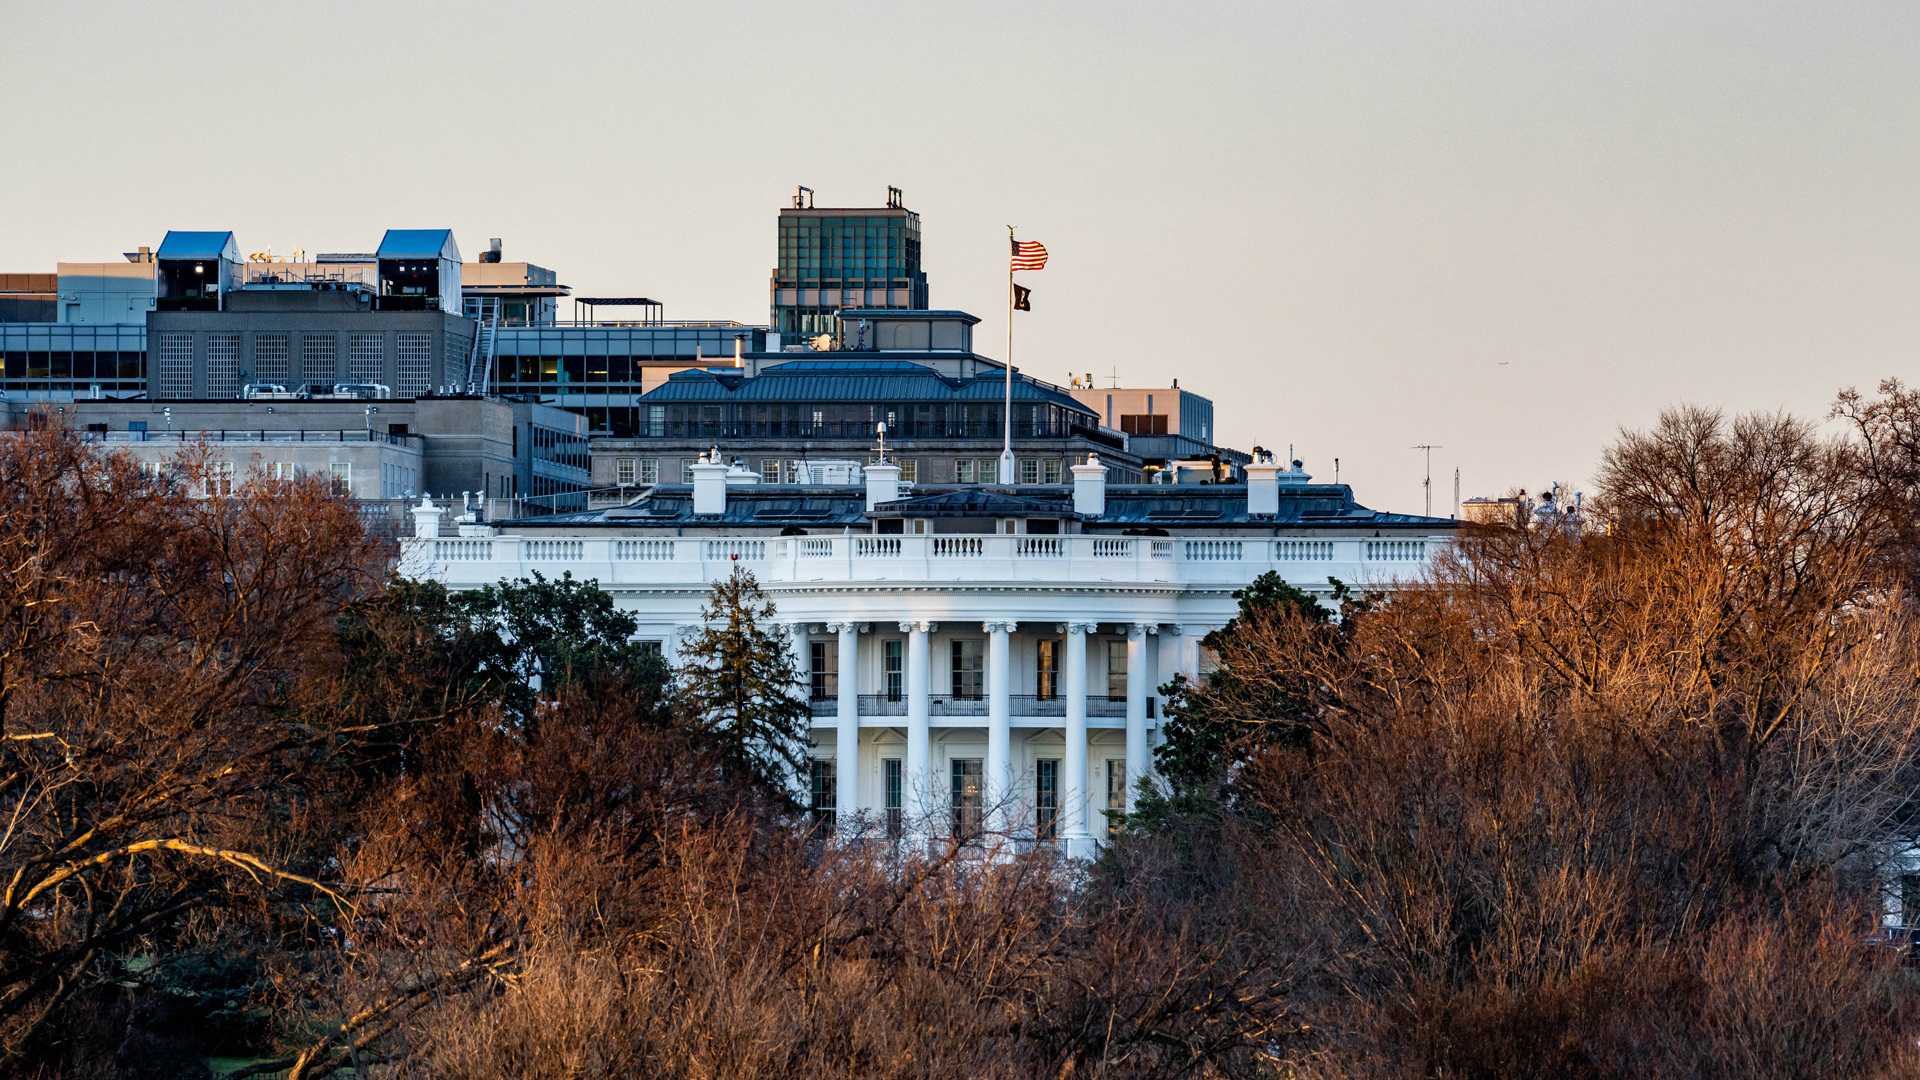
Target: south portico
1026,726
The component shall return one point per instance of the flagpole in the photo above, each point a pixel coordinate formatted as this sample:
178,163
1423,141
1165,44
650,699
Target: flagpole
1006,452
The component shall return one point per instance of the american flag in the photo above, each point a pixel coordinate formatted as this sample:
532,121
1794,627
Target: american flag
1028,255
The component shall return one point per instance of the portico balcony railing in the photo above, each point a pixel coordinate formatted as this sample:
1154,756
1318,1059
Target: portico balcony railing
859,557
1101,707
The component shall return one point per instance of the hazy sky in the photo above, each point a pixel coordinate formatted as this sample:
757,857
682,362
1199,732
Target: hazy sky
1508,229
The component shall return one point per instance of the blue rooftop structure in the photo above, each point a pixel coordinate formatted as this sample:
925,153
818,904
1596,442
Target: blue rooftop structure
198,245
418,244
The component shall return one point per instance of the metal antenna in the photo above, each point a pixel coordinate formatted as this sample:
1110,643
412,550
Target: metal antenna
1427,484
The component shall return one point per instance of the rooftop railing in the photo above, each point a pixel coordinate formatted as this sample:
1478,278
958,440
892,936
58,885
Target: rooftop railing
850,557
338,435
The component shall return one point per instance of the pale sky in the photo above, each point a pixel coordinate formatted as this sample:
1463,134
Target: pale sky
1506,229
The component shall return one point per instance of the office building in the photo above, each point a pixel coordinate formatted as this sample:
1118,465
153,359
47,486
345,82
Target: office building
832,259
1166,427
518,456
969,653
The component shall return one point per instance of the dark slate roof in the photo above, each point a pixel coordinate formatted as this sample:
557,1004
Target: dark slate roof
861,382
979,502
1129,507
418,244
197,245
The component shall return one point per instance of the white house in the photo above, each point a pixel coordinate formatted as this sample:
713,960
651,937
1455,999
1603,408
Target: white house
976,655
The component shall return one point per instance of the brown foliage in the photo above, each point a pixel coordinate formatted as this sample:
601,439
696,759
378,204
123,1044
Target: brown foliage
1613,802
147,640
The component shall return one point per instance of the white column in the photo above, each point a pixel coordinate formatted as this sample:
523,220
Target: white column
797,634
919,765
999,772
1074,825
847,726
1136,706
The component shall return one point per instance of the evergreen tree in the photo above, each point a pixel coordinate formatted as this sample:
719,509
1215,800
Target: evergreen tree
738,684
1250,700
537,637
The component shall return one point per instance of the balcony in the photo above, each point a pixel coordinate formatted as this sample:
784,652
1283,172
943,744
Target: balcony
1024,705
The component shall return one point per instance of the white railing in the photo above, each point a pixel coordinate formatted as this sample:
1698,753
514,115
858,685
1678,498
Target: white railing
743,550
1040,547
463,550
697,561
643,550
553,550
1213,550
955,547
1396,550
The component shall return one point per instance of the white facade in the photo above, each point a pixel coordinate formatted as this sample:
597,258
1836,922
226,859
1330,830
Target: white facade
1021,667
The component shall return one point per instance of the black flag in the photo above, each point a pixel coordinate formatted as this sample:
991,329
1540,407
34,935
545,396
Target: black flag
1020,295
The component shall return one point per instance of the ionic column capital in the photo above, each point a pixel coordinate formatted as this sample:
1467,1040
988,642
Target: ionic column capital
1078,627
1177,629
1140,629
908,626
990,627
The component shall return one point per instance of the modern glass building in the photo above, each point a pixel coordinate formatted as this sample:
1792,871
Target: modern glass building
830,259
59,361
600,372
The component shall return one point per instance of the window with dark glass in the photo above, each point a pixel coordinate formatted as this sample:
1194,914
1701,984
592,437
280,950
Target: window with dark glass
1046,798
825,791
969,670
894,803
894,666
1116,671
824,669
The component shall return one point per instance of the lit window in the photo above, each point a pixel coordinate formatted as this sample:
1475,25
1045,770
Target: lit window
1030,471
770,470
909,471
1053,471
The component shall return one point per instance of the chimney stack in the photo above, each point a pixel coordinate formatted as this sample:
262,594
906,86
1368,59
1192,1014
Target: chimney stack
709,486
883,483
1263,487
1090,488
426,518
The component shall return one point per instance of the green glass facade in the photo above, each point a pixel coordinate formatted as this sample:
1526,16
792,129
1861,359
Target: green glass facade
834,259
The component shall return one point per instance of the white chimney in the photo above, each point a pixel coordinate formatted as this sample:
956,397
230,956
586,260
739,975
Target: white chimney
1090,487
1263,488
426,518
883,484
709,486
